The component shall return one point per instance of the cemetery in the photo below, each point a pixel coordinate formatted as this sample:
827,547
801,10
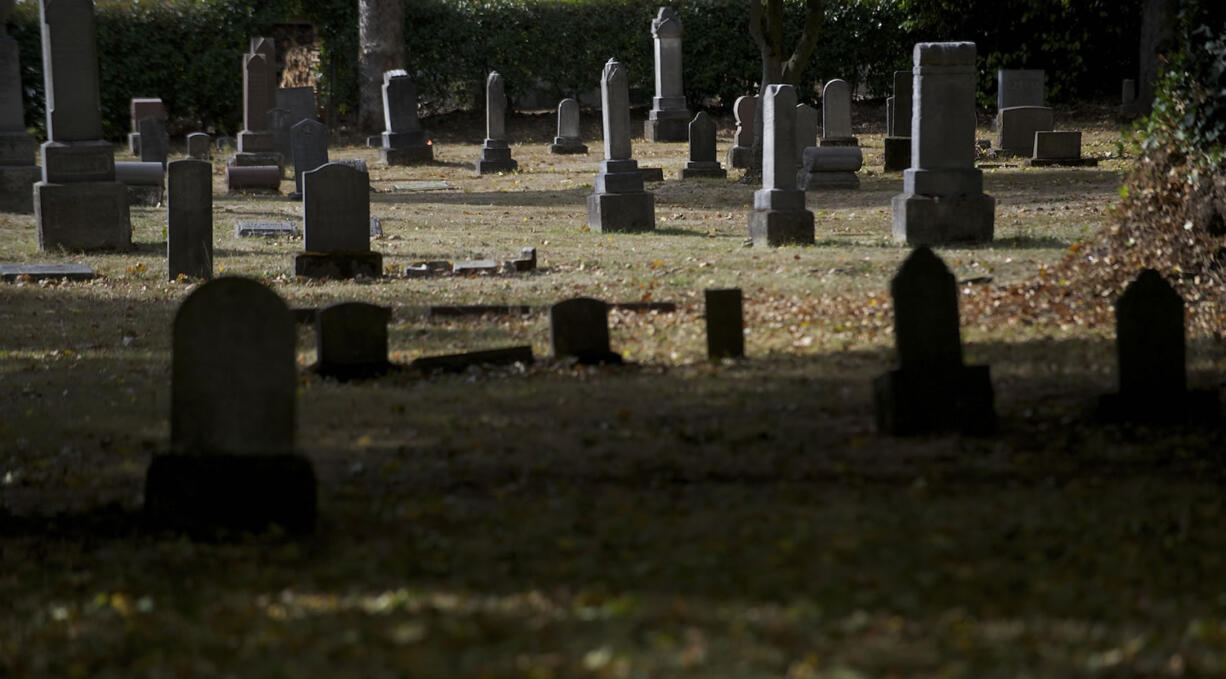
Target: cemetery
574,389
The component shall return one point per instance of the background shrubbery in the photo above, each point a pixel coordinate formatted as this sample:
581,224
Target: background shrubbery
186,51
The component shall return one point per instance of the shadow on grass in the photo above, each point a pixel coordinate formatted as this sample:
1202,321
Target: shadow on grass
552,198
1028,243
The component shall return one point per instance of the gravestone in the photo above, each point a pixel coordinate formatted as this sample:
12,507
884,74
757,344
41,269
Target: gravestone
725,324
568,140
943,199
189,219
199,146
931,391
404,141
702,162
142,181
280,121
264,229
618,202
1020,87
836,115
351,341
1152,356
779,216
495,153
78,205
309,141
830,167
806,130
899,110
1128,99
740,154
37,272
336,225
155,142
257,143
1016,127
231,464
579,328
299,101
140,108
18,173
668,119
258,178
1059,147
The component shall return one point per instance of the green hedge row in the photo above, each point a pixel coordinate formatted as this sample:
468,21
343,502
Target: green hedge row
186,51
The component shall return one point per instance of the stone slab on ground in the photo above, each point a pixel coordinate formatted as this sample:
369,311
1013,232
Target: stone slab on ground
461,362
38,272
264,229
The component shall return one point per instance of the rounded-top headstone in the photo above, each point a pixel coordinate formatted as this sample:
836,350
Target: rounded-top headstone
1149,328
666,24
836,110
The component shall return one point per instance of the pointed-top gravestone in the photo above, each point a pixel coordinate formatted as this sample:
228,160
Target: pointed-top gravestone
668,118
352,340
404,140
189,219
618,202
579,328
931,391
568,140
702,162
740,154
309,141
836,115
779,216
495,152
155,142
18,173
336,224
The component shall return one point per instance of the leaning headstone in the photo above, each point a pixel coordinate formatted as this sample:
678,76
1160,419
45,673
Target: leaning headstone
351,341
1152,355
404,141
155,142
779,216
943,199
579,328
932,391
231,466
618,202
702,162
336,225
668,119
897,151
495,153
140,108
18,173
1059,147
725,324
309,143
257,143
806,130
189,219
836,115
740,154
78,205
199,146
568,140
1016,127
143,181
1020,87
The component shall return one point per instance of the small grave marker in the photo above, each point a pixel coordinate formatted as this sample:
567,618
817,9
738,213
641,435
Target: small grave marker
352,340
725,324
702,162
568,141
38,272
579,328
265,229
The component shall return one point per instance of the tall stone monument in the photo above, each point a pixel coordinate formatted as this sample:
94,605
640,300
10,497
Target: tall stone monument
404,140
495,152
779,216
669,119
619,202
18,173
78,205
257,143
943,199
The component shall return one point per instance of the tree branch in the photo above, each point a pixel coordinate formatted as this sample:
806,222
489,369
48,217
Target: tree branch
815,13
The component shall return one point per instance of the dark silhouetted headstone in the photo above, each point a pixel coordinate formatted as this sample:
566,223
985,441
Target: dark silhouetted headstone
189,219
352,340
155,142
336,225
18,173
580,328
725,324
702,162
309,141
199,146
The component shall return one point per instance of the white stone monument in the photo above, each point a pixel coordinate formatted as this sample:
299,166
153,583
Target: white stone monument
779,216
619,202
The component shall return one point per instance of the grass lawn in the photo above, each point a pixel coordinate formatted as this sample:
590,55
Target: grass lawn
668,518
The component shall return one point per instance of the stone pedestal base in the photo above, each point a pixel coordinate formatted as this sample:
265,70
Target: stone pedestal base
17,187
84,216
941,220
17,149
566,146
740,157
839,141
897,155
411,155
818,181
495,157
701,169
959,399
214,495
781,227
338,265
248,159
668,128
621,212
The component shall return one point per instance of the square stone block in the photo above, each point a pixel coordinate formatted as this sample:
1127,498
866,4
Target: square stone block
79,161
936,220
897,154
17,188
667,129
828,181
84,216
338,265
1057,145
781,227
621,212
256,142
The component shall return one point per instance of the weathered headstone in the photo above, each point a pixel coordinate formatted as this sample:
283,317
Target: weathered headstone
257,143
404,141
18,173
806,130
568,140
309,141
143,181
931,391
1128,99
897,151
618,202
580,328
189,219
702,162
1016,127
352,340
231,465
299,101
78,205
943,199
199,146
836,115
336,225
1020,87
668,119
740,154
495,153
140,108
280,120
155,142
725,324
779,216
1059,147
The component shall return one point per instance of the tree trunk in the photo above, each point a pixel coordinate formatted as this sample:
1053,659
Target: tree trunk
1157,20
380,48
